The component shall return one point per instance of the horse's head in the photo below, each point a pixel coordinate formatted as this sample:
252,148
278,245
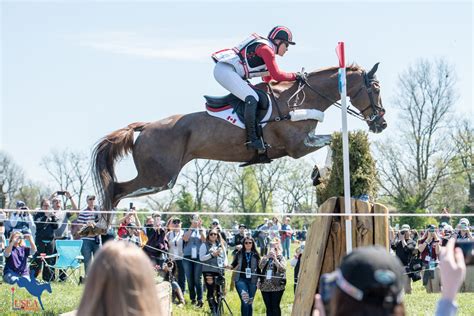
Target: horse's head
368,101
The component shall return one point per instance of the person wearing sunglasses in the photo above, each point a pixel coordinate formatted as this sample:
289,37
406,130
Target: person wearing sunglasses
214,258
245,264
254,57
175,248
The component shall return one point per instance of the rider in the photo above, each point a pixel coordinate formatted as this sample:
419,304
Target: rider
255,57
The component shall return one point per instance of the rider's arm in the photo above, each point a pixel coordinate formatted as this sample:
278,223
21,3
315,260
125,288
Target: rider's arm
268,56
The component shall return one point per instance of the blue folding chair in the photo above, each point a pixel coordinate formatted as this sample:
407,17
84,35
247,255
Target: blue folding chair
69,257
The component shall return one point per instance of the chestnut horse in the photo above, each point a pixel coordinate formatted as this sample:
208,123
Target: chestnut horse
163,147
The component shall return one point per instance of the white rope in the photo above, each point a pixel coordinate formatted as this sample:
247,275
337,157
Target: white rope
256,213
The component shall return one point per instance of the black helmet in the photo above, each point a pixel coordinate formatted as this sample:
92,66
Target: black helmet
282,33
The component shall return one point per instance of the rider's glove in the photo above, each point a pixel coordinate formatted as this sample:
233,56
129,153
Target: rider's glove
301,76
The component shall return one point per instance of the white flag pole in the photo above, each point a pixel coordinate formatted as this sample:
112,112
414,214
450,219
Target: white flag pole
345,145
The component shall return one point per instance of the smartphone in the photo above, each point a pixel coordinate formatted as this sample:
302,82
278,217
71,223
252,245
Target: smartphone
467,247
131,206
61,192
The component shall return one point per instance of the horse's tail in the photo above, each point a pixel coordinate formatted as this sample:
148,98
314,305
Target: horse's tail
111,148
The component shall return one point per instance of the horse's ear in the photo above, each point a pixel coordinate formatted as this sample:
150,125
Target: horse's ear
372,71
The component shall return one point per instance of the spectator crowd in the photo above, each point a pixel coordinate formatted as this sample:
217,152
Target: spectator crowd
196,256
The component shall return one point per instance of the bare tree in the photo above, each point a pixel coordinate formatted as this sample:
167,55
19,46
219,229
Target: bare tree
268,176
11,178
295,187
69,170
243,189
464,141
163,203
417,154
201,177
219,187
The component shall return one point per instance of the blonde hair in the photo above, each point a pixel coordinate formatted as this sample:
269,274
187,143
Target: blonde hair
120,282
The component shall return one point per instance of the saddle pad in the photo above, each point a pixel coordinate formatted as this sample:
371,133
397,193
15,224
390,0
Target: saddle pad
226,113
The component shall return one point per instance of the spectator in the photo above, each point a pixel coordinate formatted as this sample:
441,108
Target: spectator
121,283
157,246
130,217
149,223
463,229
414,234
215,224
46,224
213,254
246,263
260,236
176,245
21,221
272,286
265,237
238,239
275,229
296,263
405,249
446,234
16,255
370,281
193,239
88,218
429,246
63,231
285,235
2,239
446,216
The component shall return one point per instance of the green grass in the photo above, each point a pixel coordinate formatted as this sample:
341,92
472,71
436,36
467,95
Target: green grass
65,297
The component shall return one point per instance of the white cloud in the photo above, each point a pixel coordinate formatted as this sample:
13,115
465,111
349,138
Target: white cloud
133,44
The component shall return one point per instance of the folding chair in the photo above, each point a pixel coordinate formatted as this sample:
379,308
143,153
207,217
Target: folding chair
69,257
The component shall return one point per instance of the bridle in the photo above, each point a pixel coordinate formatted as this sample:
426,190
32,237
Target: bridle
377,110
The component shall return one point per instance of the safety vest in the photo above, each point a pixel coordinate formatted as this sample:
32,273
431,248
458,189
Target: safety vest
243,56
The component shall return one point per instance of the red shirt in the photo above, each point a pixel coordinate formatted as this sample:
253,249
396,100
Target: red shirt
268,56
122,229
427,249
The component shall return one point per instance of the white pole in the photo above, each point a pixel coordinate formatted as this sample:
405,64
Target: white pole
345,146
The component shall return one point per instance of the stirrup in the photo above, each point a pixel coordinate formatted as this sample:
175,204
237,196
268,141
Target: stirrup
257,145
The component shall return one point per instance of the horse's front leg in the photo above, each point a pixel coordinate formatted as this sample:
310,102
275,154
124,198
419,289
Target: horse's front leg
305,143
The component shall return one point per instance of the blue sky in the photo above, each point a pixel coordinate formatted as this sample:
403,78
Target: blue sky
73,71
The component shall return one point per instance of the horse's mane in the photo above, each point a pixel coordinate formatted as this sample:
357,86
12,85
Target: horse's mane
351,67
284,85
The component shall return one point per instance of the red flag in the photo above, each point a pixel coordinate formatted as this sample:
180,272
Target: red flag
340,54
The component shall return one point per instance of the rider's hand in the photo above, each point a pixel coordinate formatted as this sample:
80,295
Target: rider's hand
301,76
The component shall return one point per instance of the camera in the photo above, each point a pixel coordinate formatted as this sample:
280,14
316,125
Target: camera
170,264
414,268
61,192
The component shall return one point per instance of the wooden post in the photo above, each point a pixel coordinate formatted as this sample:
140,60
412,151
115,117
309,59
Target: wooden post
312,260
381,226
326,245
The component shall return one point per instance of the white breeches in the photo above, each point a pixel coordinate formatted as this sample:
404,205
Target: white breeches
228,77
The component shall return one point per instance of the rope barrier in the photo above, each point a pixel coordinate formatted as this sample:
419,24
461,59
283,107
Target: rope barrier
261,214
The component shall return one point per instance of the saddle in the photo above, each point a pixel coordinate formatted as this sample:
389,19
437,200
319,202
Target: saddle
238,105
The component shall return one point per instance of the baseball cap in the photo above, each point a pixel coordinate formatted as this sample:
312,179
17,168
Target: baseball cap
372,275
464,221
405,227
20,204
242,225
215,220
90,197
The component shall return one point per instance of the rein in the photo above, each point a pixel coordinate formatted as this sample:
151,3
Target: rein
358,114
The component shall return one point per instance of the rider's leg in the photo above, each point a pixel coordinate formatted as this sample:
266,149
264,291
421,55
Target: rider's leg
227,77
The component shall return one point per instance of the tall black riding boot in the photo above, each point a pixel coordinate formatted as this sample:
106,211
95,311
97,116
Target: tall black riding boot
250,113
